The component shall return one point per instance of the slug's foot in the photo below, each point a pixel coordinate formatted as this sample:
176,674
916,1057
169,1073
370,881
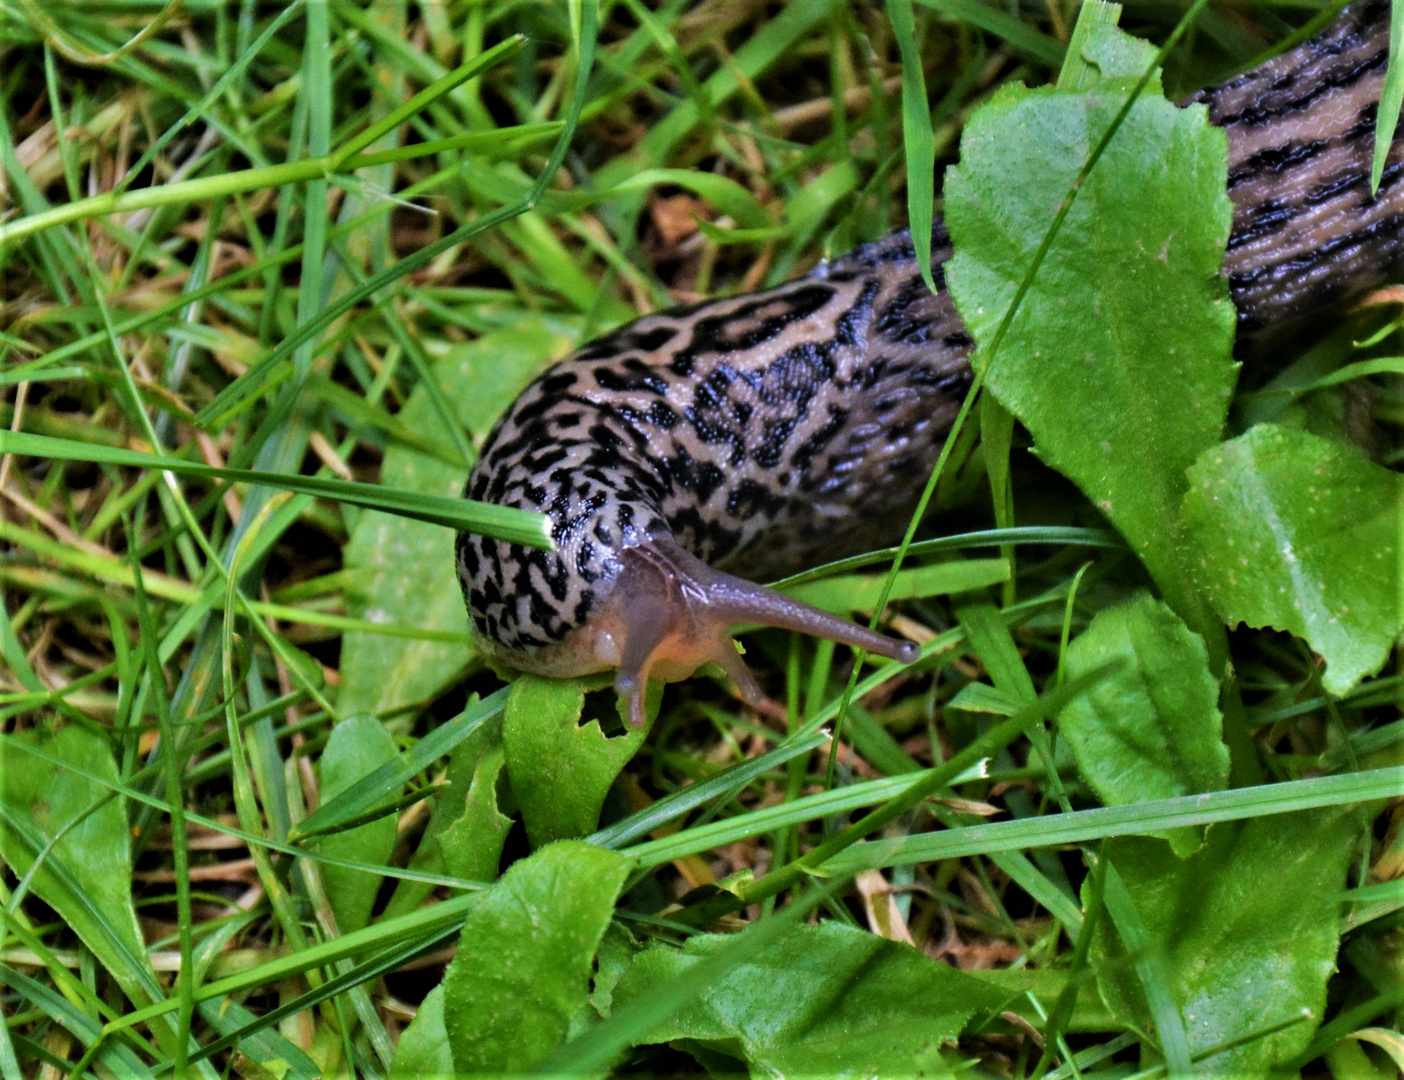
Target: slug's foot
669,613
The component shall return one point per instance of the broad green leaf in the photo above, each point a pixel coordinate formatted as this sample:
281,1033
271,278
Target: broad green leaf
825,1000
614,957
407,575
1292,531
383,787
522,971
1118,358
484,376
408,567
423,1052
87,875
1247,929
562,769
858,592
357,747
466,832
1153,730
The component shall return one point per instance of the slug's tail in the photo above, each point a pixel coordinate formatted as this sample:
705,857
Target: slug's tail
674,613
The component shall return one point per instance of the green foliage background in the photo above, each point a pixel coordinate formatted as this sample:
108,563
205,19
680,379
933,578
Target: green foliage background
264,812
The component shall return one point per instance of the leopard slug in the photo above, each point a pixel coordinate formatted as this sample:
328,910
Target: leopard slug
693,451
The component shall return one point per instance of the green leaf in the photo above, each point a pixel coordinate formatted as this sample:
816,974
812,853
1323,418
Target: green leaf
1080,71
400,555
407,575
423,1051
1118,358
1247,930
1153,730
1295,532
382,787
357,747
87,874
1104,53
484,376
522,971
561,770
466,832
826,1000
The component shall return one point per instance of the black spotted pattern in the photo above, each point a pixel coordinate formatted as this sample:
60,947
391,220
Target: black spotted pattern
770,431
761,432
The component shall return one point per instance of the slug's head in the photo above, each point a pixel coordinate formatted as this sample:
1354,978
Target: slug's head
669,613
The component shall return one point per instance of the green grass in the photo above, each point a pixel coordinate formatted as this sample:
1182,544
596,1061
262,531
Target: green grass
270,274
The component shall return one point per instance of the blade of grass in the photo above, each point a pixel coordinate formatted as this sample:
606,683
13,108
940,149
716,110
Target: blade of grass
1026,39
119,201
715,834
1136,819
386,781
813,861
1391,95
917,136
1150,969
175,799
114,571
221,86
445,916
214,414
502,522
215,825
720,786
431,93
358,975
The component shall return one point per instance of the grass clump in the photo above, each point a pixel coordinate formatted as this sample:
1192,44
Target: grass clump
264,810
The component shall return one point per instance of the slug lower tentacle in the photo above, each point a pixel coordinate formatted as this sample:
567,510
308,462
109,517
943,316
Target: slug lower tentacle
753,436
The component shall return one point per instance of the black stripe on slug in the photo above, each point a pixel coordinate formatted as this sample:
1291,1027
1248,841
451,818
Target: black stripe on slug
1319,256
1260,114
749,325
1266,218
1276,159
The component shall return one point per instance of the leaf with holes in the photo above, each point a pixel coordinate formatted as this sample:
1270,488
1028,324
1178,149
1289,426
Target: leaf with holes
561,770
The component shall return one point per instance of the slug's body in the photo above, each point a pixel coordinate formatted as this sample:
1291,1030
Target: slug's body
757,435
